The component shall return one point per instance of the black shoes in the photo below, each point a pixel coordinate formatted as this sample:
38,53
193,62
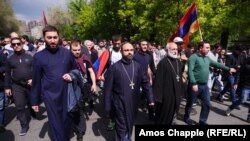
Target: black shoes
79,136
111,125
238,108
188,121
248,120
23,131
220,98
2,129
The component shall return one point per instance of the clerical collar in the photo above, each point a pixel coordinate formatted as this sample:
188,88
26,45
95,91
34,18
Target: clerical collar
125,61
52,50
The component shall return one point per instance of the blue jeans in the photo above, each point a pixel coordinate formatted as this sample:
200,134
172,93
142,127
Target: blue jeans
203,94
230,85
2,107
243,98
245,95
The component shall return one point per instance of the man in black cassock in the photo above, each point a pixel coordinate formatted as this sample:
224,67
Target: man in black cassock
122,86
50,76
167,86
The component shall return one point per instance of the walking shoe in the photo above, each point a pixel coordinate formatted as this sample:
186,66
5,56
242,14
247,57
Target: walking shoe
2,129
238,108
23,131
228,112
193,111
79,136
248,120
225,98
202,123
111,125
188,121
220,98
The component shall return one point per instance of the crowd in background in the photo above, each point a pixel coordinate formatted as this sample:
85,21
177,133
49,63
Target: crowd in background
195,69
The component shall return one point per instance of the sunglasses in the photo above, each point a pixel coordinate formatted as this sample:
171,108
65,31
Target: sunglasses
14,44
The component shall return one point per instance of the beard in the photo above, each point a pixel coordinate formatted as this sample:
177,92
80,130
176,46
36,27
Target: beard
171,55
52,47
129,57
116,48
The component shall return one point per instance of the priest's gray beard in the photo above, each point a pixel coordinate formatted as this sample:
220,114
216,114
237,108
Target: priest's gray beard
171,55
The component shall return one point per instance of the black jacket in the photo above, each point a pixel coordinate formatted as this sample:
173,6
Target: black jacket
3,59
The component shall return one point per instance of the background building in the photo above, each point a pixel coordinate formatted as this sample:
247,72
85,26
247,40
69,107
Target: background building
31,28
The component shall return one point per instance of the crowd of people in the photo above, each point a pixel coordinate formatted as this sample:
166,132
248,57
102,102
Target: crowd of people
142,75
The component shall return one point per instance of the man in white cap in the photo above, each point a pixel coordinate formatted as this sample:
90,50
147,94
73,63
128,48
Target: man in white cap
179,42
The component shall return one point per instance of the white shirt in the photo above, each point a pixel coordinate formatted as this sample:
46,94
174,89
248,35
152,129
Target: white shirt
115,56
212,56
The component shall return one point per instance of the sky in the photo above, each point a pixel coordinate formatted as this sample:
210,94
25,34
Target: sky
32,9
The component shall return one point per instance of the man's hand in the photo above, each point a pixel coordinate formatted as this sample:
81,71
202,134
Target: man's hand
101,78
151,104
93,88
8,92
232,70
35,108
183,57
195,88
235,87
67,77
29,82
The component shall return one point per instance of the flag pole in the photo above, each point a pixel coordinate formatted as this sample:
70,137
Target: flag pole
199,24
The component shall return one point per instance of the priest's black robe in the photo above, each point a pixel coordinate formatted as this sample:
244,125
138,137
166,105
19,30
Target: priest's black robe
48,69
167,90
125,100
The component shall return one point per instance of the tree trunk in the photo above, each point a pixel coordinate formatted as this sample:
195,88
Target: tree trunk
224,38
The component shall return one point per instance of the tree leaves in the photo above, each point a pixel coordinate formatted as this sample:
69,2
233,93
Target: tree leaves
8,22
156,20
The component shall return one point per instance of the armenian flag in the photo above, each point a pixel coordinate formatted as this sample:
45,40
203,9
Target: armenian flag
100,63
187,25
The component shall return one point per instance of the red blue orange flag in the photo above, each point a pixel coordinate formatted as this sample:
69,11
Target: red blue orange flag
100,63
187,25
44,19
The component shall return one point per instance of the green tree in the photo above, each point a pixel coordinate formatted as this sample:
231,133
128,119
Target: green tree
156,20
8,22
61,19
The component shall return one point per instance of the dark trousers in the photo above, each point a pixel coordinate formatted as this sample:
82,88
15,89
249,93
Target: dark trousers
2,108
21,100
203,94
89,96
78,121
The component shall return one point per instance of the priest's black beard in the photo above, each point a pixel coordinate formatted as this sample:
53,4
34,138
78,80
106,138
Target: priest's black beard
52,50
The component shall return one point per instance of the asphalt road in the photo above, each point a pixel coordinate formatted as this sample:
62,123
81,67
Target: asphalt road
97,122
